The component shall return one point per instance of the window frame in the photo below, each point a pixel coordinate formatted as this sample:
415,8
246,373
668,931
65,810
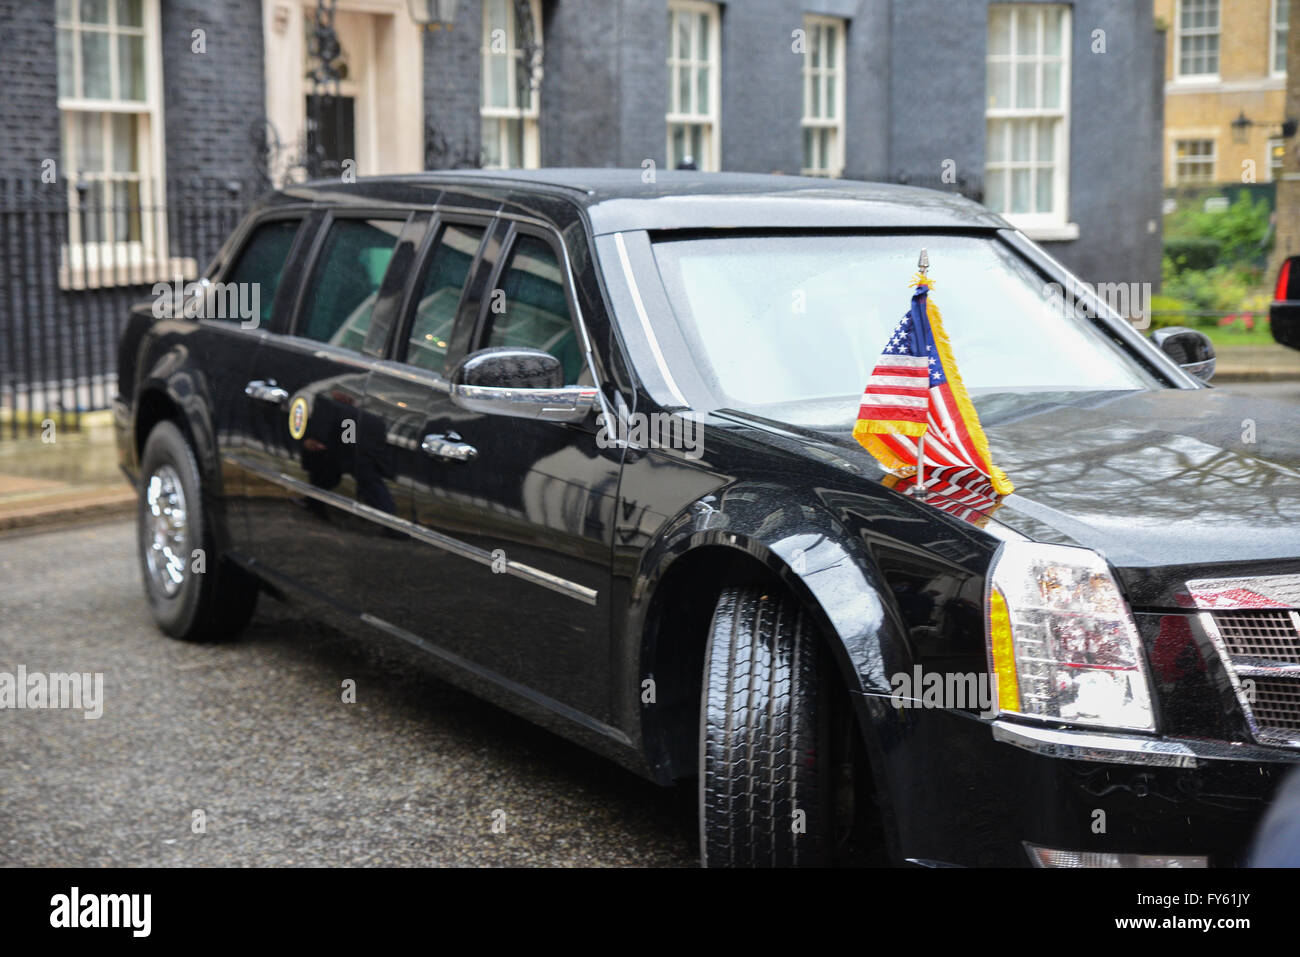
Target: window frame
399,347
824,77
1179,34
499,267
711,120
309,220
528,117
1273,48
1175,178
106,262
1274,175
1056,223
307,269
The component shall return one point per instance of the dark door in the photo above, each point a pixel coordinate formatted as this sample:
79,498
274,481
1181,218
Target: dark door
331,132
226,342
305,390
402,575
526,506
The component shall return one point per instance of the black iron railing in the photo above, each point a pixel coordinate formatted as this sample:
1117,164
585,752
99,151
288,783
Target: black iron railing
73,258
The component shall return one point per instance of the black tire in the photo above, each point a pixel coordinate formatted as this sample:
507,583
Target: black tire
210,605
762,736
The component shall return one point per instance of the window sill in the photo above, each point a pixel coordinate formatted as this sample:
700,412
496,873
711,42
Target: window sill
1063,233
121,274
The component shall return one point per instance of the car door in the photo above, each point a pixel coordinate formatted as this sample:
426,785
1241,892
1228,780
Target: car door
403,577
262,255
528,506
304,390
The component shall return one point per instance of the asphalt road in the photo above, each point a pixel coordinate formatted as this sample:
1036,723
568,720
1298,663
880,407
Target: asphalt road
256,735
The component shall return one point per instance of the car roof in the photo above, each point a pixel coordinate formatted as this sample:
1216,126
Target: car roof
617,200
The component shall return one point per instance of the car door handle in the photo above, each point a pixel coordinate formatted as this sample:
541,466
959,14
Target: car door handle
449,448
266,392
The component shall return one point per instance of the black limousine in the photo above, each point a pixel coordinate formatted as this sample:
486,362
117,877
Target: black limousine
587,441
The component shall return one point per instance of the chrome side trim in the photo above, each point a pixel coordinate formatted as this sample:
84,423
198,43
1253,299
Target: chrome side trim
567,404
1132,749
536,697
445,542
645,321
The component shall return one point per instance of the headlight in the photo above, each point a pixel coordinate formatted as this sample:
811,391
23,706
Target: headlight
1062,644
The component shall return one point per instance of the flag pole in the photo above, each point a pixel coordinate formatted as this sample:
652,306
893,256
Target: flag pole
922,267
920,467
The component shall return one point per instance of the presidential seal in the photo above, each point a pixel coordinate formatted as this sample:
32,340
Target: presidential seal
298,417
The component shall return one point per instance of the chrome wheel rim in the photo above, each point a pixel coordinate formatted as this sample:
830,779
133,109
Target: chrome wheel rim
166,530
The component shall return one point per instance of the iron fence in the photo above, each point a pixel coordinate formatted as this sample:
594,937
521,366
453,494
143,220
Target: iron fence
75,257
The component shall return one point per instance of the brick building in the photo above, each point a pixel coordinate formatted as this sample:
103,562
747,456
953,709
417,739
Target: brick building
1225,90
1048,112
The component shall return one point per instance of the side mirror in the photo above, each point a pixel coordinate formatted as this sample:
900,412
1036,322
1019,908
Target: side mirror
520,383
1191,349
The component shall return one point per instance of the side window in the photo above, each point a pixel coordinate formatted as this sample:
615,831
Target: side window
260,264
529,307
435,312
345,283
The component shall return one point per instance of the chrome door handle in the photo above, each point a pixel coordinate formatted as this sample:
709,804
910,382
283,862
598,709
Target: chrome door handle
449,448
266,392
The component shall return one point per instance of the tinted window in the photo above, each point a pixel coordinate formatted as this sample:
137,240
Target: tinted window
529,307
435,312
346,281
261,262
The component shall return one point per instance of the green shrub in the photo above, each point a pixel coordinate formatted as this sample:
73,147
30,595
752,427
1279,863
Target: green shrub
1193,252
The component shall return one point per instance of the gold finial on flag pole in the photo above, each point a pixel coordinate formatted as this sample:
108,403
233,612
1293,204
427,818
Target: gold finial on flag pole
923,264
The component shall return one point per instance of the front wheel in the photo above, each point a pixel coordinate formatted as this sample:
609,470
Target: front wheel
192,593
764,759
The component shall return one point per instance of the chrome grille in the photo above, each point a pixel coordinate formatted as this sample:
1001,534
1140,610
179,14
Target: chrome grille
1277,704
1271,635
1255,625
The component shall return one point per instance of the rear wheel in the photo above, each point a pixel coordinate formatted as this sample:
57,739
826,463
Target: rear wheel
764,760
193,594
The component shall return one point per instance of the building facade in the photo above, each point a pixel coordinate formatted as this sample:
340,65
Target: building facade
1048,112
1225,90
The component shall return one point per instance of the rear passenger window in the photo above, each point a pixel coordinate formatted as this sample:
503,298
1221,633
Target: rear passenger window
260,264
345,283
435,312
533,310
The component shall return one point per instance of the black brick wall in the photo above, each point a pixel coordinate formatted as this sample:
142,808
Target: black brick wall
213,101
29,108
451,89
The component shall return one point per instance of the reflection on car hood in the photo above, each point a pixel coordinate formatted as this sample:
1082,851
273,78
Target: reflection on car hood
1151,478
1161,478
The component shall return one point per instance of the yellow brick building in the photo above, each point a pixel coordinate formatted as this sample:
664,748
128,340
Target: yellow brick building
1225,62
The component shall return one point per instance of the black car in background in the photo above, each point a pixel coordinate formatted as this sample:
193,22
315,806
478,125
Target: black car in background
1284,310
586,440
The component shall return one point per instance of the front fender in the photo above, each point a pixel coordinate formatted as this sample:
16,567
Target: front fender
832,572
176,377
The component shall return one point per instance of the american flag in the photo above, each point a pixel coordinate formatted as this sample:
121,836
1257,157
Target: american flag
964,493
916,390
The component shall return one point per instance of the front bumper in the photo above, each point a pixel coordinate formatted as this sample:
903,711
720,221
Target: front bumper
970,792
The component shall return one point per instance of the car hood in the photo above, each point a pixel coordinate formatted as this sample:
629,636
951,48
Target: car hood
1161,477
1166,484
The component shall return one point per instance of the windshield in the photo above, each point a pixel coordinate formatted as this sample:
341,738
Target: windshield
780,319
